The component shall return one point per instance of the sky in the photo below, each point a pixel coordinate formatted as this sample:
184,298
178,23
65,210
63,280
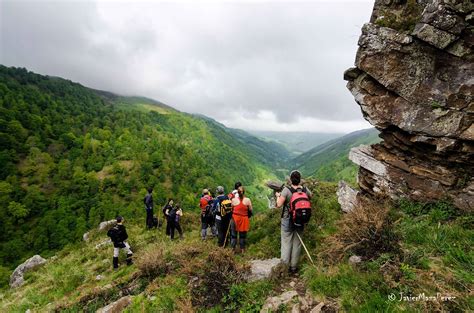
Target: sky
254,65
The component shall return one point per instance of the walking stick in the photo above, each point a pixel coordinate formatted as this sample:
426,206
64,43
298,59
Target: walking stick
307,252
226,234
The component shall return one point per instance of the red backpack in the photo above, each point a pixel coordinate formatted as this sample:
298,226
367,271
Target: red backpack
300,206
205,205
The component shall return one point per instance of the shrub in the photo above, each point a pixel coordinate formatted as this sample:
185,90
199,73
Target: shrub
216,277
247,297
152,263
367,231
4,276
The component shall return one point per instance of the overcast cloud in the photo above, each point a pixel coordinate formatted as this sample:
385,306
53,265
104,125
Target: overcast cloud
250,64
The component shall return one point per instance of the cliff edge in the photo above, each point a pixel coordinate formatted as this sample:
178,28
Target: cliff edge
414,81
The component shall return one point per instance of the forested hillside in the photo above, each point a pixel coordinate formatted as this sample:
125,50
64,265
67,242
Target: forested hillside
330,162
271,153
72,157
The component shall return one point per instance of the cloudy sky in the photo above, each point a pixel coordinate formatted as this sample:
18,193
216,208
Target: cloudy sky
262,65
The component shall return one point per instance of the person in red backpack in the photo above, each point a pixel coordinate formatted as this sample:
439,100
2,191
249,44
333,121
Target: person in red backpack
290,243
207,220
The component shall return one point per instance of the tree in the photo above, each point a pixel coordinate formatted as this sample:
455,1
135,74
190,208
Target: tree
17,210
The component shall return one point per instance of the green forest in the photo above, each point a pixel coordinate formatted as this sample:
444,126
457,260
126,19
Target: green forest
72,157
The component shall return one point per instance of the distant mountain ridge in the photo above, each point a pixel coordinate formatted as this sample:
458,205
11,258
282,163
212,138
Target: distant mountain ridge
297,142
330,161
271,153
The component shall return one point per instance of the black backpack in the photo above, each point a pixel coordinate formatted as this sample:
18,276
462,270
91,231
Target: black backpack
172,214
114,234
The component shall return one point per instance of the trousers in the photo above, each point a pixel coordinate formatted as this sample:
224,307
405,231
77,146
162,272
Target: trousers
234,233
290,243
149,218
125,247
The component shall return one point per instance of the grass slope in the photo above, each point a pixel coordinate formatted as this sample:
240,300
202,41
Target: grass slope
434,256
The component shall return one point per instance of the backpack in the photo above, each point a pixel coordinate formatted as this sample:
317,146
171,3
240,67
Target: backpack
300,207
206,206
172,214
155,222
226,207
114,234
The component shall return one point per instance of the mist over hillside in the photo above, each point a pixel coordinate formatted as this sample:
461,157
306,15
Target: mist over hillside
297,142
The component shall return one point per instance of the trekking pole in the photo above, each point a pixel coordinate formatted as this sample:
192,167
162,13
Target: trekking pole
307,252
226,234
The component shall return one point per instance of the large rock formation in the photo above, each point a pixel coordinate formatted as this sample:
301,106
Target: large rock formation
414,81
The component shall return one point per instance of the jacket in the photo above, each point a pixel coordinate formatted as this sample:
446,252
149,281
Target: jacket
148,201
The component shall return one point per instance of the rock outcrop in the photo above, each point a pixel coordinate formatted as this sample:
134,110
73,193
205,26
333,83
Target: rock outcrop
106,225
414,81
273,303
261,269
16,279
117,306
347,197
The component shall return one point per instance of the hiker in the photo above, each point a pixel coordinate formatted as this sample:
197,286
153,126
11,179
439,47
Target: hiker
240,223
168,207
234,192
148,201
290,243
118,235
207,219
223,212
173,215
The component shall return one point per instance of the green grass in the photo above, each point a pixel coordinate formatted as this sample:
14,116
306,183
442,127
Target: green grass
436,256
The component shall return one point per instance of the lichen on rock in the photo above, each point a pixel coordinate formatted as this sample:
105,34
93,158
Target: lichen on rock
416,86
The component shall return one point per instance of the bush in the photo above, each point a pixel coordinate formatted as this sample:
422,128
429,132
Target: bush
367,231
4,276
247,297
216,277
152,263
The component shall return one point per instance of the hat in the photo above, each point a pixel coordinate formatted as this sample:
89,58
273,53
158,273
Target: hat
220,189
205,191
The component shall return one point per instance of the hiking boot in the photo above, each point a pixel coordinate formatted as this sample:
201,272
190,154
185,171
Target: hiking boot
293,271
129,259
115,262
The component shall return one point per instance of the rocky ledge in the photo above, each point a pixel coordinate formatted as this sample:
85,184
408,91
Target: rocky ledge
414,81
